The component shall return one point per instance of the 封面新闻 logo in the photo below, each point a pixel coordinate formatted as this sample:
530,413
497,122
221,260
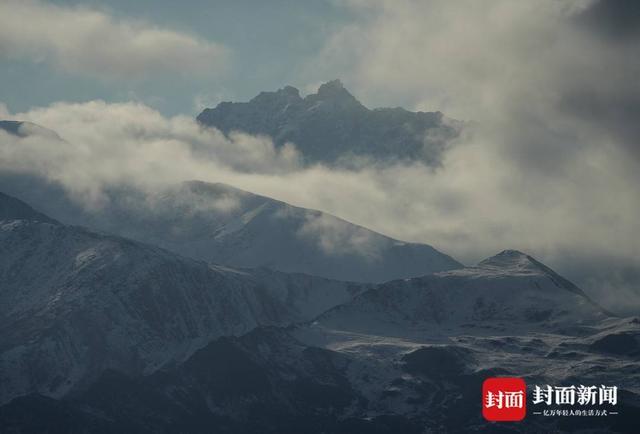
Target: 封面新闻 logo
504,399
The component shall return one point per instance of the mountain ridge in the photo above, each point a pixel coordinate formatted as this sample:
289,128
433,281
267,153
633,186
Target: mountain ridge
225,225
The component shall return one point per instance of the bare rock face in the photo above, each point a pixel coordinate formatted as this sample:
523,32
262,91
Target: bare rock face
332,126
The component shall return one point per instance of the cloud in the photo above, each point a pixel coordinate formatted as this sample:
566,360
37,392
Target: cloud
337,237
104,145
92,43
554,152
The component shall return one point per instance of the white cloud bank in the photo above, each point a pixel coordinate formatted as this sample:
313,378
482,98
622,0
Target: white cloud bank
92,43
107,144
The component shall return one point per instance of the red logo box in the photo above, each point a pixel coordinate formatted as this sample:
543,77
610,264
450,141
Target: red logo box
504,399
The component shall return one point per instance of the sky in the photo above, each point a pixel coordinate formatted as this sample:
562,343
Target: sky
549,162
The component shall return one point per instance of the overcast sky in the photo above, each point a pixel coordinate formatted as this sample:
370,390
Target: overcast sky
549,162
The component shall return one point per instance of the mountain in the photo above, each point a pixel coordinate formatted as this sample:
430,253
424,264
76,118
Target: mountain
332,126
271,381
221,224
103,334
420,348
503,293
75,303
106,335
262,382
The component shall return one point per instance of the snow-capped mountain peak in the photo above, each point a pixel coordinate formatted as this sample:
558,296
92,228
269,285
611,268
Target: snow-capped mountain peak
510,290
516,262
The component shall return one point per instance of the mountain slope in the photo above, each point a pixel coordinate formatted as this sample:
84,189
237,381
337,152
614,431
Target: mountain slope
267,381
332,125
14,209
74,303
221,224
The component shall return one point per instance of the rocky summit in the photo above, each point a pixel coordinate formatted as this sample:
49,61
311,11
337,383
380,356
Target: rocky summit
333,127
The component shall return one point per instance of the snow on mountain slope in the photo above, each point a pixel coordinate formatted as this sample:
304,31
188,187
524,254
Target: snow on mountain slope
269,381
221,224
73,303
500,293
262,382
420,348
129,335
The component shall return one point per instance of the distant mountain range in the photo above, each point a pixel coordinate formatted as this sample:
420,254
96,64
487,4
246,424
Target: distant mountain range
102,334
332,126
186,309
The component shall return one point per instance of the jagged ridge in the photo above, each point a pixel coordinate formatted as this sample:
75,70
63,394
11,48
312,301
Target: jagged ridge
331,126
